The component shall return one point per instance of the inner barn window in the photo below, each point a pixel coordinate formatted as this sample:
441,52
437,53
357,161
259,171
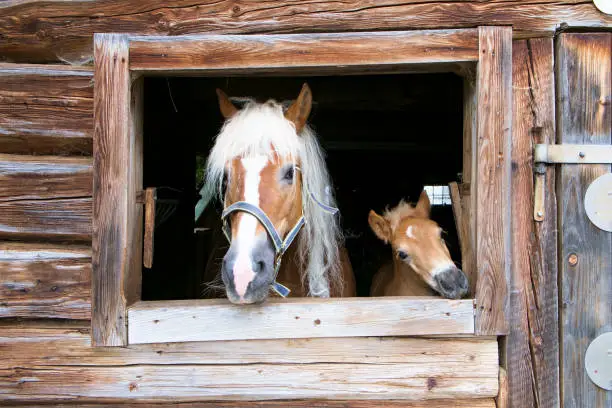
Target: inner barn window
386,138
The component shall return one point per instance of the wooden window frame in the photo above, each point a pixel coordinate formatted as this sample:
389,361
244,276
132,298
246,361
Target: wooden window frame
482,55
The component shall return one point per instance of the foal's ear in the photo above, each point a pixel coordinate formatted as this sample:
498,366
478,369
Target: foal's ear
380,226
225,105
423,207
300,109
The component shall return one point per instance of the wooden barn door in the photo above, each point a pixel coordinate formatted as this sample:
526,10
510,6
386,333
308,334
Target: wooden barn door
584,116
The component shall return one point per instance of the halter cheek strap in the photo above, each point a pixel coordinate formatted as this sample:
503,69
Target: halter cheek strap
280,245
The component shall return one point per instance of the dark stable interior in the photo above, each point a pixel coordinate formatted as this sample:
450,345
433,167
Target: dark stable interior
386,136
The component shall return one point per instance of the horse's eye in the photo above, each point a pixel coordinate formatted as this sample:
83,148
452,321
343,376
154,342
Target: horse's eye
288,175
402,255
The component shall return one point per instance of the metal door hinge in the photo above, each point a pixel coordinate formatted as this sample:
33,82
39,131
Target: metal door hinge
544,154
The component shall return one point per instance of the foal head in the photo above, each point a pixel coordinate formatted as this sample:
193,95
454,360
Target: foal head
416,241
258,156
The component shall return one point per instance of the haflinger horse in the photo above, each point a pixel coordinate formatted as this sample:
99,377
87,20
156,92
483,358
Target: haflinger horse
422,265
269,170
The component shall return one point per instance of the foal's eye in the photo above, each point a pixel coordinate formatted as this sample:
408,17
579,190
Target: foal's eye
402,255
288,175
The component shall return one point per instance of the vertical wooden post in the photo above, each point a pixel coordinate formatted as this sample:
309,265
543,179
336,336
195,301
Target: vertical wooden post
532,345
493,156
149,226
584,116
116,216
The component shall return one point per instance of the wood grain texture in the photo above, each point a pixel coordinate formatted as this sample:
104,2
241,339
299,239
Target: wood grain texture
503,398
47,220
197,320
149,226
469,177
462,223
44,177
45,197
25,346
532,351
113,207
584,86
46,109
45,281
494,125
290,51
59,364
309,403
43,31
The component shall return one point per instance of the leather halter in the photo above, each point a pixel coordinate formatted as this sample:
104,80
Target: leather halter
280,245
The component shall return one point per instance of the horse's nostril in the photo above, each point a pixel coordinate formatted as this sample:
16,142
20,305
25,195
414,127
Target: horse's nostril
258,266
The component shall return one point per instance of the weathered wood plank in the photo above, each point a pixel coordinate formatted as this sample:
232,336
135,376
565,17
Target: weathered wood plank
45,281
584,86
71,346
249,382
45,197
58,219
44,177
503,398
290,51
197,320
494,125
116,173
45,109
532,345
62,31
469,178
149,226
309,403
59,364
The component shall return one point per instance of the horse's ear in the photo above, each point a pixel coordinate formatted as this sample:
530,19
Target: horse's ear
423,207
225,105
300,109
380,226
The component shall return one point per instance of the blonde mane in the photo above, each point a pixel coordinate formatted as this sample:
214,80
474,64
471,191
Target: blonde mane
261,129
395,215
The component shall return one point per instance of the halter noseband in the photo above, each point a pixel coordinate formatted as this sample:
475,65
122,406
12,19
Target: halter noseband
280,245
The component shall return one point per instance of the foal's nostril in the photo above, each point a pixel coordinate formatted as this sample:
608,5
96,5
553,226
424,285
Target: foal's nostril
452,283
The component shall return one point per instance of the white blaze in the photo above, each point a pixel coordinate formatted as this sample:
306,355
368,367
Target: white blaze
243,268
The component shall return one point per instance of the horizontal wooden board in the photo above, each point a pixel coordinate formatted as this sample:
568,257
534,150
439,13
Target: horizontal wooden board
43,31
58,363
309,403
45,109
45,281
205,320
59,219
44,177
297,51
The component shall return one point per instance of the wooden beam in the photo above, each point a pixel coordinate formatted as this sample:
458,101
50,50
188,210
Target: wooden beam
532,345
67,368
307,403
117,177
46,220
286,52
199,320
44,31
44,177
45,109
462,224
493,205
45,281
149,227
584,116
